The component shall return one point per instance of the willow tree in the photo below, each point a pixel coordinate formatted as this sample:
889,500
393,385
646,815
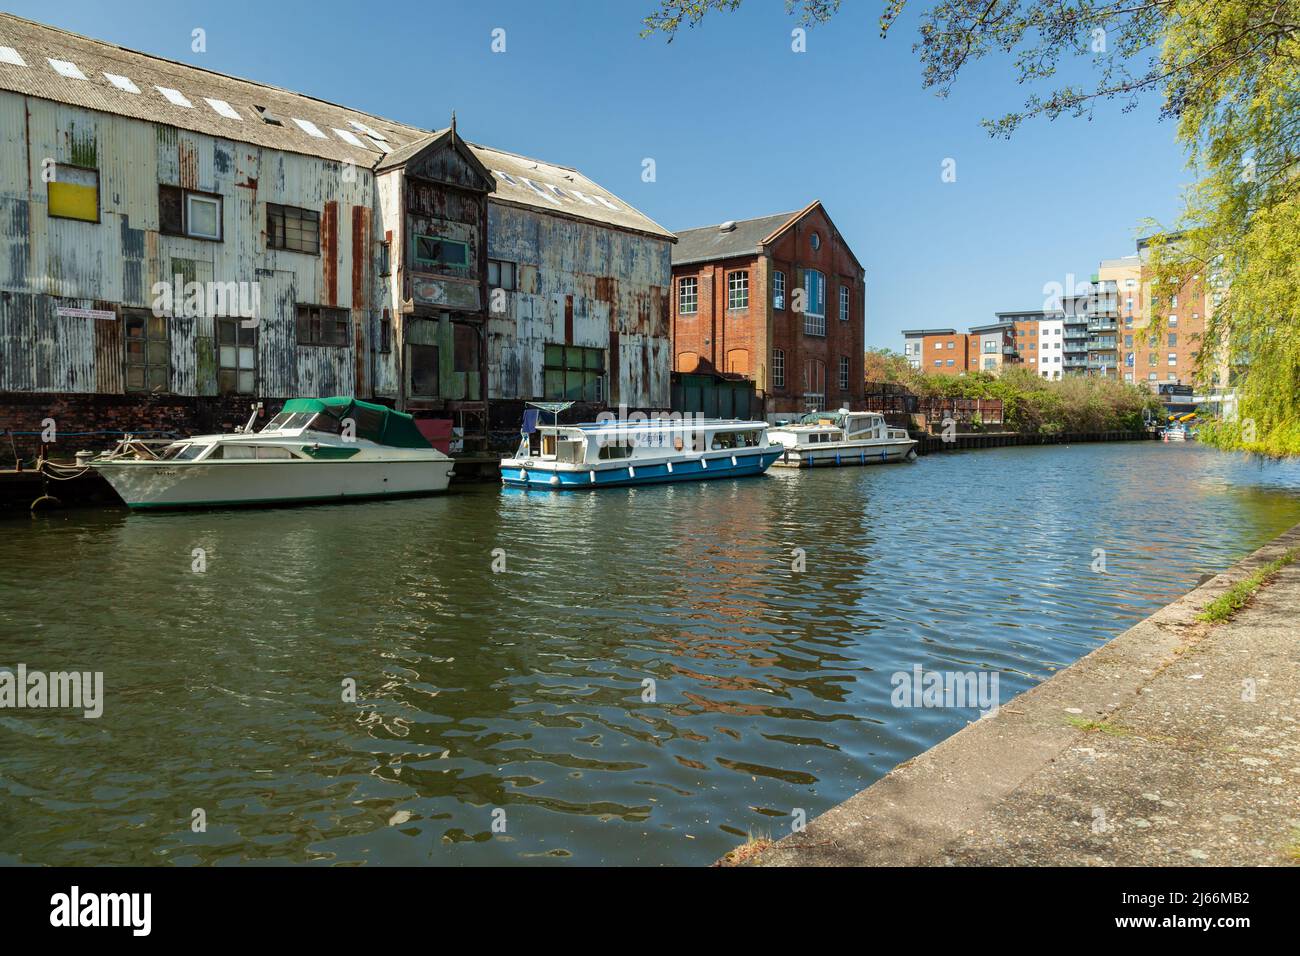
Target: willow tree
1227,73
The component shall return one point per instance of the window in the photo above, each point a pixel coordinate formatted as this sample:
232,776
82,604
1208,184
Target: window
437,251
1173,358
950,364
185,213
385,259
501,275
1173,339
844,303
737,291
385,332
778,368
1128,341
1173,321
236,363
291,228
952,345
148,352
816,241
424,371
318,325
844,372
574,374
814,288
778,290
73,193
688,296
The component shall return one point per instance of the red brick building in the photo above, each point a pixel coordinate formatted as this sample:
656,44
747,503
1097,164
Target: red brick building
780,300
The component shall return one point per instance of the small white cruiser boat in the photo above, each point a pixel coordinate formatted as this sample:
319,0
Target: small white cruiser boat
314,450
602,454
841,438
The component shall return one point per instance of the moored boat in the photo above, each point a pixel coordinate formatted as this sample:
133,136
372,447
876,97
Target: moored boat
605,454
841,438
314,450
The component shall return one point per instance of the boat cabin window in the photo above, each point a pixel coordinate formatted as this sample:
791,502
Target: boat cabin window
287,420
241,452
611,452
723,440
326,425
182,452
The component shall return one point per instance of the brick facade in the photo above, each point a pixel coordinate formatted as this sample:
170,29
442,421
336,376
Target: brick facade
772,341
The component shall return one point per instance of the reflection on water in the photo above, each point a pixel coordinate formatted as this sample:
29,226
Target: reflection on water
647,680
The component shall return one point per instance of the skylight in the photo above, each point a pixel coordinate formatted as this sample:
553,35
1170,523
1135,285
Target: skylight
310,128
348,137
9,55
224,108
506,176
64,68
372,133
122,83
175,96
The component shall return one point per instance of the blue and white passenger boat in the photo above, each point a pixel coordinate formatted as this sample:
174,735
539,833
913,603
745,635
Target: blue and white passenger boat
604,454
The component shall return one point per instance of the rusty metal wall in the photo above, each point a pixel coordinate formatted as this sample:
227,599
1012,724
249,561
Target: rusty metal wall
46,263
618,281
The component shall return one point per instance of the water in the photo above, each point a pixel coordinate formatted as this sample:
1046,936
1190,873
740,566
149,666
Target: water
520,696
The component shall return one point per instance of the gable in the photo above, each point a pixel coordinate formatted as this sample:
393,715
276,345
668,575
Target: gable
450,163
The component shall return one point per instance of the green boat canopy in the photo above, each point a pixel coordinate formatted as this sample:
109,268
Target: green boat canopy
374,422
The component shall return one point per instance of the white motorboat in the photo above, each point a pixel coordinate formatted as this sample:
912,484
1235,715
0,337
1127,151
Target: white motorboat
841,438
314,450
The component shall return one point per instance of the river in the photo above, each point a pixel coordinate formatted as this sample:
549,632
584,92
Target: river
640,675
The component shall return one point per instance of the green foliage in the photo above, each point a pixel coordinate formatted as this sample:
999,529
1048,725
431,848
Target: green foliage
1234,599
1036,405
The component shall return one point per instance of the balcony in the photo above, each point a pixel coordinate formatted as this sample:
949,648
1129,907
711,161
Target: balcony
1074,362
1103,325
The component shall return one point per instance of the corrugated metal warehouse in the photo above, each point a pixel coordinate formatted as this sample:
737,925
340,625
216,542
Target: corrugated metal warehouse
178,244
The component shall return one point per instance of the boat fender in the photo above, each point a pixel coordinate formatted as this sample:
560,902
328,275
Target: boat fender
704,463
523,475
592,475
631,472
837,458
733,461
670,467
555,479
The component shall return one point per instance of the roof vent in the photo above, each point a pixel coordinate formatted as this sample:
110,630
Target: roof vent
728,226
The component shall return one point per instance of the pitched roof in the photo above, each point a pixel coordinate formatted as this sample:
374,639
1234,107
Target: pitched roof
710,242
561,190
53,64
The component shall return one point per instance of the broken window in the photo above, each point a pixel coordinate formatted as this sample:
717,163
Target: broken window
236,358
424,371
318,325
291,228
437,251
148,352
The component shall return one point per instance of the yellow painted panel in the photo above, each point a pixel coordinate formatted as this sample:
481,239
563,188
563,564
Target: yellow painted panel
74,201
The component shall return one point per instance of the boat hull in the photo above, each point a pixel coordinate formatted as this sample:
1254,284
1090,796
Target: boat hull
517,475
839,453
159,485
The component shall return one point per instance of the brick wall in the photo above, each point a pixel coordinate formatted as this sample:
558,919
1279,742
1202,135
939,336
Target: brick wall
791,253
95,422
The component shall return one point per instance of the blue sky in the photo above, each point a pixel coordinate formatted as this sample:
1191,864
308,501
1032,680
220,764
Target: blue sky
738,125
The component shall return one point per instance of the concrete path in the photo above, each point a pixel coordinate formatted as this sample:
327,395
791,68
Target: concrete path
1177,743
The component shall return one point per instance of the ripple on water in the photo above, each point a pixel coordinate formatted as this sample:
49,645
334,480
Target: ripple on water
648,667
